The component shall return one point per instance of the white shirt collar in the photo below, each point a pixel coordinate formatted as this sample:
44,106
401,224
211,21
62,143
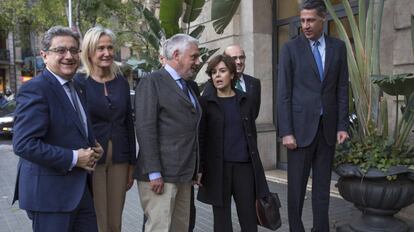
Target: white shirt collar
321,41
172,72
60,79
241,78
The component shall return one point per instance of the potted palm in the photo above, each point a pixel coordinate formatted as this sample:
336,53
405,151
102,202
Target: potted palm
376,166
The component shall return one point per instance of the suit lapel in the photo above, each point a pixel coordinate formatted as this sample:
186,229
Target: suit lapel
329,52
308,55
82,97
63,98
172,84
247,83
198,107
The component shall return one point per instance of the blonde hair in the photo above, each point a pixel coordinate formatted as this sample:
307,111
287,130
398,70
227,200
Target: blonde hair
89,46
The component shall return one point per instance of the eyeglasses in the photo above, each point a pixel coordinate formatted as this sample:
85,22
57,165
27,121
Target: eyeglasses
239,57
63,50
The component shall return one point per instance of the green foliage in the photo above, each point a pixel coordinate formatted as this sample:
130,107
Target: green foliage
371,146
373,152
222,12
192,10
13,12
170,13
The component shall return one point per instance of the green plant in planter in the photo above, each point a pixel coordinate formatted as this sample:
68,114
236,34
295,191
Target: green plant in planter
372,149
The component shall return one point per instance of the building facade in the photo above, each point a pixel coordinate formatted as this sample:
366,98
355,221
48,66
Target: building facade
9,62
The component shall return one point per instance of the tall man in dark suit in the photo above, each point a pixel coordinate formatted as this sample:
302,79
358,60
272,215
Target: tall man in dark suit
312,112
167,115
246,83
54,140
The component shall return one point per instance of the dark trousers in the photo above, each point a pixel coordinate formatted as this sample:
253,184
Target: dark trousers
238,181
83,219
192,212
318,156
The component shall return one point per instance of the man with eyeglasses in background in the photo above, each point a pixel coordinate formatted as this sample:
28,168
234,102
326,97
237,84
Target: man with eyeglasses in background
246,83
53,138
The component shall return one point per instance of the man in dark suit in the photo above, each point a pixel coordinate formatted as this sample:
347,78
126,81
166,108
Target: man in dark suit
167,115
54,140
312,112
246,83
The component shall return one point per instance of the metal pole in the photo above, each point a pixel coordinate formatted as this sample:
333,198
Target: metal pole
70,13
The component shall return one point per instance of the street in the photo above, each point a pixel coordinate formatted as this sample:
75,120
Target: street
12,219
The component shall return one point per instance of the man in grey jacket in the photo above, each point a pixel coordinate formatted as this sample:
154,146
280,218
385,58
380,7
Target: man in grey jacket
167,114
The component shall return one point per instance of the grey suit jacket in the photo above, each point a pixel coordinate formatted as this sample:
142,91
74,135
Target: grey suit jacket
301,94
167,129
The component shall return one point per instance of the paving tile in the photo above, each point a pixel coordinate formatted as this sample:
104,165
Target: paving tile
12,219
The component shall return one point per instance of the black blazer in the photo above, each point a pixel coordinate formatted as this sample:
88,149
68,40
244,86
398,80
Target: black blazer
301,93
111,116
253,90
211,148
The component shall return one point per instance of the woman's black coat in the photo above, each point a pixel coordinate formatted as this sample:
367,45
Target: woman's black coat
211,148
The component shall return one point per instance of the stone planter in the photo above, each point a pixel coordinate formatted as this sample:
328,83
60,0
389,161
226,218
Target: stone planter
377,198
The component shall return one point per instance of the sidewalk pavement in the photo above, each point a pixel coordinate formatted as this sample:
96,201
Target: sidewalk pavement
12,219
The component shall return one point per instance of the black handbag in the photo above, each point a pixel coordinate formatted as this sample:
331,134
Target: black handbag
267,211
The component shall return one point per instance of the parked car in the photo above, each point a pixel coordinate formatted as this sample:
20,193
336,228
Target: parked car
7,117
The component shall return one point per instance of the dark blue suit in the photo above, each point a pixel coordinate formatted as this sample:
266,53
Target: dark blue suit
47,129
313,111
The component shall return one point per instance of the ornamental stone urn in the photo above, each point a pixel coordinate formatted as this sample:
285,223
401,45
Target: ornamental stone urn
378,198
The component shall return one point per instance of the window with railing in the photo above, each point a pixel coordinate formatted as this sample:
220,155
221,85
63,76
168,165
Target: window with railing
4,55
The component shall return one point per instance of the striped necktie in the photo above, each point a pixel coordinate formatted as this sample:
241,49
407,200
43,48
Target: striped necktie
75,102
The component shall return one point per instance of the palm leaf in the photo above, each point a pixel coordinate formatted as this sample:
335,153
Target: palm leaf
412,31
196,33
376,40
222,12
205,54
362,19
359,48
170,13
375,92
192,10
357,81
407,122
151,39
153,24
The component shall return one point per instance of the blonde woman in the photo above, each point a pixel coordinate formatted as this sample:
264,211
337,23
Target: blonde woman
109,107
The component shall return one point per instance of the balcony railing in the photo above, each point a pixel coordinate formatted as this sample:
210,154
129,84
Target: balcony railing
4,55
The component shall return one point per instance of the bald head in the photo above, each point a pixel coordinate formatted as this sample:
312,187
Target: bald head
237,53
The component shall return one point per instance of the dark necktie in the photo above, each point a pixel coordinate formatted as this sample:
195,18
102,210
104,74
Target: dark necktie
318,58
238,85
185,88
69,85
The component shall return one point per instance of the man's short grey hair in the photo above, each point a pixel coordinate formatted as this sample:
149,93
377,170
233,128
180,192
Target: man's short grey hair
317,5
58,31
178,42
